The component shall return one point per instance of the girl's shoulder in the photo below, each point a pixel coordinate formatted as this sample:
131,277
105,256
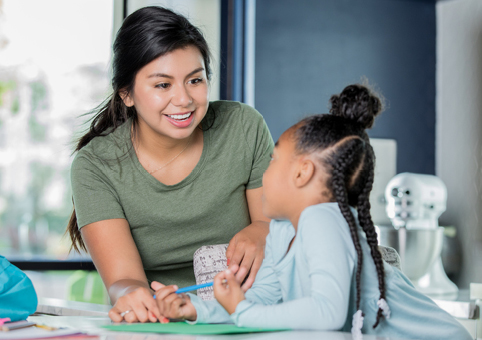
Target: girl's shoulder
325,220
329,212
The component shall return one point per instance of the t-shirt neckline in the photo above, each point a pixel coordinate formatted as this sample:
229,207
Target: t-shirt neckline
189,178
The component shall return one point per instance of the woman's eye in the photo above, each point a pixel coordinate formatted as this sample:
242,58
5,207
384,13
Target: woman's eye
196,81
271,156
163,85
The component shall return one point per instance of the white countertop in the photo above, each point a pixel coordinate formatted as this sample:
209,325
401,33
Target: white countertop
71,308
91,325
88,318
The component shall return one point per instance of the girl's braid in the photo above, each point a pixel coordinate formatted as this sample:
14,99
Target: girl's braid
341,161
365,220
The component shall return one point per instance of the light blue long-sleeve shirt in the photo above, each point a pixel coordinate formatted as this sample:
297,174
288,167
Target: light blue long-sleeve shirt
312,286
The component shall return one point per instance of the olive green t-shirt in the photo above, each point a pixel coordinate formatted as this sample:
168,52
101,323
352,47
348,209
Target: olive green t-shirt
170,222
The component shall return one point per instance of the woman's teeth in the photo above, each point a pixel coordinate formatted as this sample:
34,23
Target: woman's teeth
180,117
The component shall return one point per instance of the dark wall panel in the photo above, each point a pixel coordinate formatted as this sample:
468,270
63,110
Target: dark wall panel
308,50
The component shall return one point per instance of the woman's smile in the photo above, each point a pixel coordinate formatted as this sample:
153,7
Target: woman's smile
180,120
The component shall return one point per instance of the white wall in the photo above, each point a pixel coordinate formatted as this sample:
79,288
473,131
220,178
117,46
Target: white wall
459,126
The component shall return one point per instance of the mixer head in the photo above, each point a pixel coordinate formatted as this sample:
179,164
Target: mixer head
415,201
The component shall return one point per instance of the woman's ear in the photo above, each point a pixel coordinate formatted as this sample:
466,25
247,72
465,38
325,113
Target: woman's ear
126,97
304,172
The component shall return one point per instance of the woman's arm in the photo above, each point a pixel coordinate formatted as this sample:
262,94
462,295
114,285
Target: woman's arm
246,248
118,262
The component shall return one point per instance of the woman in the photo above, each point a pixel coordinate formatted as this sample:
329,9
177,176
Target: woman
162,171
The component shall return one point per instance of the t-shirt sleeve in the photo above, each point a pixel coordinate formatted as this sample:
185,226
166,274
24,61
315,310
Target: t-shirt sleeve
260,143
94,198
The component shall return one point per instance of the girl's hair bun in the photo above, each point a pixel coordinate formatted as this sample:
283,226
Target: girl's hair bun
358,103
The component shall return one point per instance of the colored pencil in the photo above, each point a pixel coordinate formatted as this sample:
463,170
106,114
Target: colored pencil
190,288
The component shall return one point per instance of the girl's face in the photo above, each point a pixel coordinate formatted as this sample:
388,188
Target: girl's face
276,179
171,93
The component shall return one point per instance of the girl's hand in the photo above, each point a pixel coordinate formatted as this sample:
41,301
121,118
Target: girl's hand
227,290
172,305
246,250
136,306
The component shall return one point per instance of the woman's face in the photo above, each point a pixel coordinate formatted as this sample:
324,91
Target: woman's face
171,94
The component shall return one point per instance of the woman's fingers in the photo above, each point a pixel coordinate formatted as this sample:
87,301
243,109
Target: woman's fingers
242,259
137,306
115,314
252,273
230,250
246,264
131,317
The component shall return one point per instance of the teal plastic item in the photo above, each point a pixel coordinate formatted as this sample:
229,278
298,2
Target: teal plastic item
18,298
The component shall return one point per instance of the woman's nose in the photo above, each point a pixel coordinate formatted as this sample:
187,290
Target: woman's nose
181,97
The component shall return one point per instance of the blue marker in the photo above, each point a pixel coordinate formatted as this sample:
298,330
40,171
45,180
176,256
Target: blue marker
188,289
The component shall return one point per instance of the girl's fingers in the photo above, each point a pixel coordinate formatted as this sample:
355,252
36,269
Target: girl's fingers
219,279
230,278
156,285
165,291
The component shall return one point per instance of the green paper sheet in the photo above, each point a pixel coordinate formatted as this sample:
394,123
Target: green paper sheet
185,328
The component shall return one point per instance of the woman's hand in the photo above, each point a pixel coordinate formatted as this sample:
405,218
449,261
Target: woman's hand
117,260
246,250
137,305
227,290
172,305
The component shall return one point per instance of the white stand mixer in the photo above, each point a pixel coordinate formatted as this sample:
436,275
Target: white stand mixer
414,203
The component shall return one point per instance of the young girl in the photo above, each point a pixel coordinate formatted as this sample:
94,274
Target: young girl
322,268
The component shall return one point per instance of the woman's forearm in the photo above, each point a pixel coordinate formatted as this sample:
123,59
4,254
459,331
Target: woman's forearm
123,287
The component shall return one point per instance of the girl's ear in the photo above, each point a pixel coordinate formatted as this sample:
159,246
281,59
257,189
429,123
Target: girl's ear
304,172
126,97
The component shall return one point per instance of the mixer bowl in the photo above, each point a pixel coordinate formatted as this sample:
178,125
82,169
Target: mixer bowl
418,248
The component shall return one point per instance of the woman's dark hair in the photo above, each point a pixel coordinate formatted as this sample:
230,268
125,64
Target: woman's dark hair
349,158
145,35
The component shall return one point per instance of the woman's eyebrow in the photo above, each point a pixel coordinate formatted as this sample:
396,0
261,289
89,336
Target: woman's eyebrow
163,75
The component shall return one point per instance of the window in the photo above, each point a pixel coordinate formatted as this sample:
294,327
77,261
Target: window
54,67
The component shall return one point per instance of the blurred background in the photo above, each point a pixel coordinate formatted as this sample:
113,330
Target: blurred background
283,57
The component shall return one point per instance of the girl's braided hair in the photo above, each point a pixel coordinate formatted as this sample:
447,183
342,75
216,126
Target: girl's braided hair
349,158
